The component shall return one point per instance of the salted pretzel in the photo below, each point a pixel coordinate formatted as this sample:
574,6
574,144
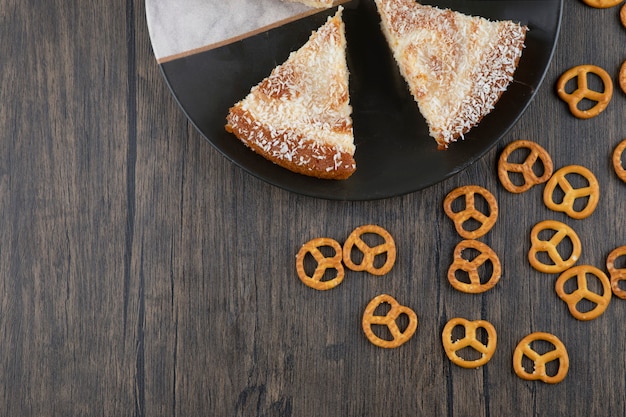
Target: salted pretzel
470,211
602,4
323,263
389,320
388,248
470,340
537,153
471,267
550,247
524,349
582,291
591,192
617,274
602,98
617,160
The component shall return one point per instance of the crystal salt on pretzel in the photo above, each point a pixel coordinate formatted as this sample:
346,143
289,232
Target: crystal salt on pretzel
389,320
583,292
550,247
469,340
617,274
537,153
591,192
388,248
470,212
582,91
617,160
323,263
472,267
524,349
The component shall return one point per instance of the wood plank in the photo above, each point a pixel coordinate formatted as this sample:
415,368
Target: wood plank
67,308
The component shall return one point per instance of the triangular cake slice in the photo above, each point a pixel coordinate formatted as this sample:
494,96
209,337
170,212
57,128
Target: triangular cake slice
456,66
299,117
314,3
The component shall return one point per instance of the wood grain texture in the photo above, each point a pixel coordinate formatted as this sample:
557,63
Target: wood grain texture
141,273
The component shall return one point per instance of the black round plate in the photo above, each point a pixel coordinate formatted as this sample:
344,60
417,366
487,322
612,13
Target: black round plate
394,153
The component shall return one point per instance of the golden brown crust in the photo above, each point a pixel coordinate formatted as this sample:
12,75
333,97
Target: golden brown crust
305,156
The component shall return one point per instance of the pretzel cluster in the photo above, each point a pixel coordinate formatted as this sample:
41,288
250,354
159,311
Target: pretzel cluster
485,218
358,255
555,249
343,255
555,246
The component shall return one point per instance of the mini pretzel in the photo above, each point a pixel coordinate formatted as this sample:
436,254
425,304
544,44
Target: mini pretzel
469,340
472,267
616,274
622,16
591,192
389,320
582,91
582,292
323,263
550,246
602,4
525,168
622,71
540,360
617,160
370,253
470,212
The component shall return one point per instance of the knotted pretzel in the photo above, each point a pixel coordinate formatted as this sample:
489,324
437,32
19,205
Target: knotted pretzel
582,91
550,247
470,211
591,192
582,291
537,153
471,267
617,274
617,160
388,248
524,349
323,263
470,340
389,320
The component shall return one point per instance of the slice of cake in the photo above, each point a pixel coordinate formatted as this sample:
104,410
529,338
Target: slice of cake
456,66
299,117
314,3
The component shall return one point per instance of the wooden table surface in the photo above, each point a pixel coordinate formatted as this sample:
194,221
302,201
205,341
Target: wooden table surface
142,273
